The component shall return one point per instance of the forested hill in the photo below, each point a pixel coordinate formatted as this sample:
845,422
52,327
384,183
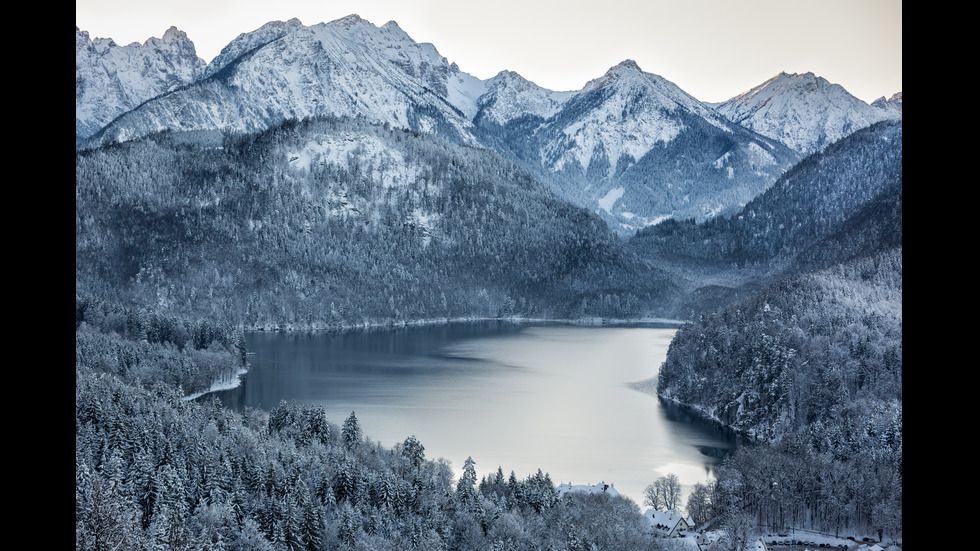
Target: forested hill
808,204
808,355
809,360
812,366
822,340
332,222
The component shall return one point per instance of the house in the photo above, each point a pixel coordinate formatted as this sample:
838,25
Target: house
668,524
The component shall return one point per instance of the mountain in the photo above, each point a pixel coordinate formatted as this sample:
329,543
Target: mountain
892,106
509,96
111,79
630,146
337,221
838,204
805,112
281,71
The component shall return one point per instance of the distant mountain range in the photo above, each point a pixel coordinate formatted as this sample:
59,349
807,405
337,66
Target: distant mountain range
630,146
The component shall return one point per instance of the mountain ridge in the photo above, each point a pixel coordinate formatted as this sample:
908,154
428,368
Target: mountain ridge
111,80
803,111
630,146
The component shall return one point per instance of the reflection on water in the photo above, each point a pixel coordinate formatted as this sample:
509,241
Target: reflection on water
522,397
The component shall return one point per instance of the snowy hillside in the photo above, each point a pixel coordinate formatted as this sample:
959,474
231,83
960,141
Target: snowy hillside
805,112
632,112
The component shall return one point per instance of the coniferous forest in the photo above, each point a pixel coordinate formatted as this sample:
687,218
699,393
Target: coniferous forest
805,355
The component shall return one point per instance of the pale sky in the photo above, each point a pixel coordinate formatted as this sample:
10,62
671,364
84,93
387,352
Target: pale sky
712,49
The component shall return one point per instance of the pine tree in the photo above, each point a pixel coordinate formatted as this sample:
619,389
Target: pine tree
351,432
414,451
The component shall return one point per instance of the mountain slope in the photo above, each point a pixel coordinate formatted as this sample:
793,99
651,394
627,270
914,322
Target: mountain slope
808,203
805,112
336,221
111,79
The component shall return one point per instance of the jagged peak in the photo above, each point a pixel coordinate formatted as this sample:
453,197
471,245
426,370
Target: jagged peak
626,64
351,20
173,33
268,32
627,67
507,76
514,82
271,27
783,82
783,75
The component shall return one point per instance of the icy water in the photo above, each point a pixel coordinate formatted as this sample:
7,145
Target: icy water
521,397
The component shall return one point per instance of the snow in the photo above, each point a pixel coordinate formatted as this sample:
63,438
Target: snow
508,96
225,384
388,166
464,91
805,541
601,488
609,199
639,113
803,111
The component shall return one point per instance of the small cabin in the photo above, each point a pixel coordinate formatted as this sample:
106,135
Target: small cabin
668,524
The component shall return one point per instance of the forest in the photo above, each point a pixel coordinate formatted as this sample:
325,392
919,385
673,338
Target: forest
336,222
157,471
812,369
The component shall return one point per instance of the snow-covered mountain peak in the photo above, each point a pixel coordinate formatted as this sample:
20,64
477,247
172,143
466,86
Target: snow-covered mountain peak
247,42
892,106
804,111
625,66
393,26
111,79
634,88
626,73
509,96
172,34
797,84
346,67
351,20
509,80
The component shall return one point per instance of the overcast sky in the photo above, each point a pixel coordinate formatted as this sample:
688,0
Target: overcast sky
712,49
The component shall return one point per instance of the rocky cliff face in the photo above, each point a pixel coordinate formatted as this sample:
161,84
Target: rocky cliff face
111,79
346,68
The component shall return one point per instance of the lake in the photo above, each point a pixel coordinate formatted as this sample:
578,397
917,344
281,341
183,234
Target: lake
518,396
